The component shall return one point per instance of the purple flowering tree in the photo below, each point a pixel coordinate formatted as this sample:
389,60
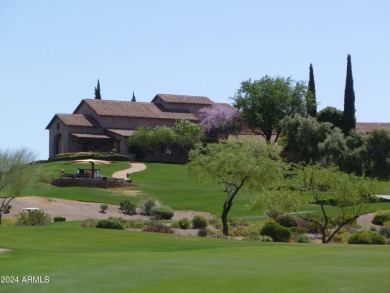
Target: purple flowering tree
220,120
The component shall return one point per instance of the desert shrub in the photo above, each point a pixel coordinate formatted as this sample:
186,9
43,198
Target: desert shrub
310,227
199,222
366,237
59,219
184,223
302,238
128,207
161,212
343,235
249,232
381,217
277,232
238,222
263,238
203,232
109,224
88,223
286,220
8,222
158,228
216,223
33,218
7,209
385,230
148,205
103,207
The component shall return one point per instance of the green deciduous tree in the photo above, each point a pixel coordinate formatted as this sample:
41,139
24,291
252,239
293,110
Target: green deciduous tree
265,102
378,154
302,136
349,119
183,136
332,115
311,100
15,174
234,165
349,194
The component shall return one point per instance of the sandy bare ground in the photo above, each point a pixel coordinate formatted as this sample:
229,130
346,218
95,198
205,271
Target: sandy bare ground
76,210
135,167
364,221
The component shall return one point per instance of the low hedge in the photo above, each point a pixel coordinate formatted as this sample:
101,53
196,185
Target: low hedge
88,155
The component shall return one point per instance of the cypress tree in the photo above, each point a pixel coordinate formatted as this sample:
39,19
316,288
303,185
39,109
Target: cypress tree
311,101
349,119
133,99
97,91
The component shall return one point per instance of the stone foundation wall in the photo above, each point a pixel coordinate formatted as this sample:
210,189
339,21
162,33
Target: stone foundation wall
96,183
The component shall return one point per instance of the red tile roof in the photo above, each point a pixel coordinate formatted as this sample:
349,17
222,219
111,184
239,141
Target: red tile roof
183,99
133,109
89,135
367,127
121,132
75,120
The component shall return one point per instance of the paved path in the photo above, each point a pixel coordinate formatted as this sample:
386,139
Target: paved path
135,167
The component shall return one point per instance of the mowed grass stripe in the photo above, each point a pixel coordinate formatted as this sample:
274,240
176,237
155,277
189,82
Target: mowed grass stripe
96,260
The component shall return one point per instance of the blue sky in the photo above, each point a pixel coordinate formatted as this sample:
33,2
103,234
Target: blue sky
53,52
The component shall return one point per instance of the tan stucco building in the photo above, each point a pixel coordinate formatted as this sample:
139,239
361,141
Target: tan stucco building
104,125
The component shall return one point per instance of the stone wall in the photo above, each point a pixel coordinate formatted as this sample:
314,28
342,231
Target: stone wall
85,182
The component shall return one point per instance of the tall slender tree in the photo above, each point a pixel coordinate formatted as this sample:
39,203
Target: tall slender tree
97,91
349,119
311,101
133,98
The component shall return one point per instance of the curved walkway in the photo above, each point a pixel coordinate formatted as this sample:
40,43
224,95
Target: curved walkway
135,167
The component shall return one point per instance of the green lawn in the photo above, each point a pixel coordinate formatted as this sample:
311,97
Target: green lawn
79,259
97,260
168,183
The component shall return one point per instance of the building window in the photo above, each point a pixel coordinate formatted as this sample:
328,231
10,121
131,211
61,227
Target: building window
58,125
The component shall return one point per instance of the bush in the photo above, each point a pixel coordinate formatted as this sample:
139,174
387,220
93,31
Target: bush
184,223
366,237
216,223
238,222
162,212
88,223
277,232
59,219
385,230
136,224
286,220
128,207
381,217
158,228
203,232
199,222
310,227
33,218
148,205
103,207
249,232
302,238
109,224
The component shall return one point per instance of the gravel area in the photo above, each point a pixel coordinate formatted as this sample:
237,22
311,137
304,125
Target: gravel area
76,210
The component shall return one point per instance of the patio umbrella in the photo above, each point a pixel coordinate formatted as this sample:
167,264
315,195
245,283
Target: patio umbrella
92,162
